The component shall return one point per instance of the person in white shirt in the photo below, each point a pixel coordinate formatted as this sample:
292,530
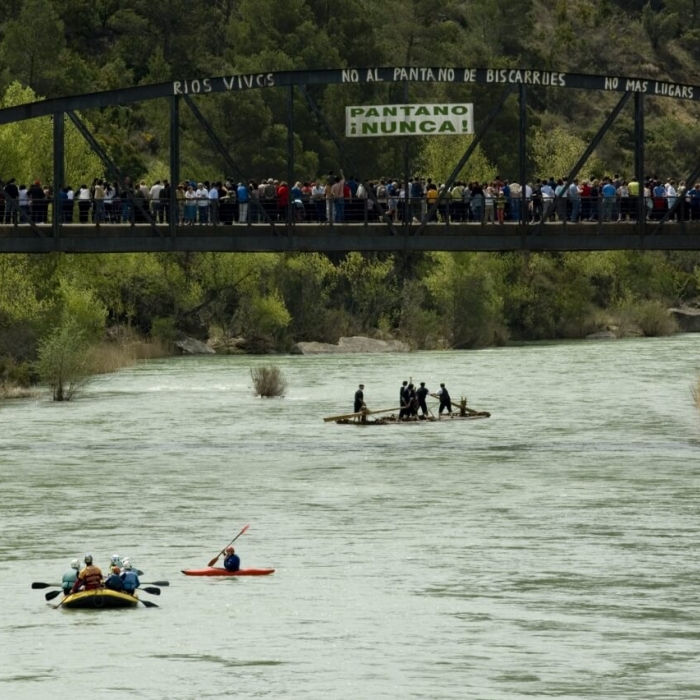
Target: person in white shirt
547,200
671,196
154,196
202,195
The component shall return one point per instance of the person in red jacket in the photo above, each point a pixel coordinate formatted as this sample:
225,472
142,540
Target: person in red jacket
89,578
282,201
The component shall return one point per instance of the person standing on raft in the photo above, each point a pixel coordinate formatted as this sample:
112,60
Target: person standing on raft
359,399
421,394
445,402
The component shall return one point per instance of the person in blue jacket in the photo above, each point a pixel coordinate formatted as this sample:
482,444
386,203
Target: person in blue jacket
232,561
114,580
129,578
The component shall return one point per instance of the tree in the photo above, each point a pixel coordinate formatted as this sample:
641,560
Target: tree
63,361
34,51
27,146
466,296
306,281
555,151
371,288
440,155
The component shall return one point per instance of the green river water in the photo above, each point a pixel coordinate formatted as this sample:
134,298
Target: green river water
548,551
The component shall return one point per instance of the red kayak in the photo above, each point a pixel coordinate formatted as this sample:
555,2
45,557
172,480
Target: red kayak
217,571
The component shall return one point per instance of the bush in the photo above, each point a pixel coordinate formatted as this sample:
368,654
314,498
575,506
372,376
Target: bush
655,319
268,381
64,362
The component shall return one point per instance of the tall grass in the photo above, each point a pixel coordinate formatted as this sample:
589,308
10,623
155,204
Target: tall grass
107,357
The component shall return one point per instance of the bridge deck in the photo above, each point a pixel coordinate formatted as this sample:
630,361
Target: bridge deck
123,238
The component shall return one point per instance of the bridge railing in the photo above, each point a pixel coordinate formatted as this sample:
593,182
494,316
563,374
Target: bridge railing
353,211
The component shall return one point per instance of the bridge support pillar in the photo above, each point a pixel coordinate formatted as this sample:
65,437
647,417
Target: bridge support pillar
174,162
59,174
639,156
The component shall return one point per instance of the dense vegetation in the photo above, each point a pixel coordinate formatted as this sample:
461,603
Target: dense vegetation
50,48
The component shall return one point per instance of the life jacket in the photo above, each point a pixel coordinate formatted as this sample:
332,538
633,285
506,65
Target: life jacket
130,580
91,576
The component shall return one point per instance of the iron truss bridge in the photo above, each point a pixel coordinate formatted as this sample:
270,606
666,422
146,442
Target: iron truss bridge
668,232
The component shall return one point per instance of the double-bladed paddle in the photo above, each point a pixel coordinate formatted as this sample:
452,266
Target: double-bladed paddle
216,558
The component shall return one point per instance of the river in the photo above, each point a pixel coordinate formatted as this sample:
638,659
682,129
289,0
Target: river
549,550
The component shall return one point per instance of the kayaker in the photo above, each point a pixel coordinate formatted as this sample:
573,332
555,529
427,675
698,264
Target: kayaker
359,399
89,578
233,561
421,394
70,577
445,402
129,578
114,581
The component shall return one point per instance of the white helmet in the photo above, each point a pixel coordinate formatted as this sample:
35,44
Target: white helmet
116,558
75,564
127,565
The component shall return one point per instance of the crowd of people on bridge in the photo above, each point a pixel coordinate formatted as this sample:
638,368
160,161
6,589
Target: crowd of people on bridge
337,199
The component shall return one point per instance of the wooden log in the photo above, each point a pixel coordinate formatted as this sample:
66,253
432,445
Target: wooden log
359,414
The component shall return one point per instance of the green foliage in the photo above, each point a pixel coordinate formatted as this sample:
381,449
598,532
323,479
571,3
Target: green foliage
466,296
164,330
28,151
371,287
660,27
650,316
555,151
262,317
18,296
81,309
306,282
437,159
63,362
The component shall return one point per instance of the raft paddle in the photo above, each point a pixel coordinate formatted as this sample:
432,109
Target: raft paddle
148,603
38,584
148,589
216,558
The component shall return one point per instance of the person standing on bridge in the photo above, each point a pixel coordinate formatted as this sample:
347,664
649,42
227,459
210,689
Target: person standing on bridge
243,197
338,197
214,203
202,195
